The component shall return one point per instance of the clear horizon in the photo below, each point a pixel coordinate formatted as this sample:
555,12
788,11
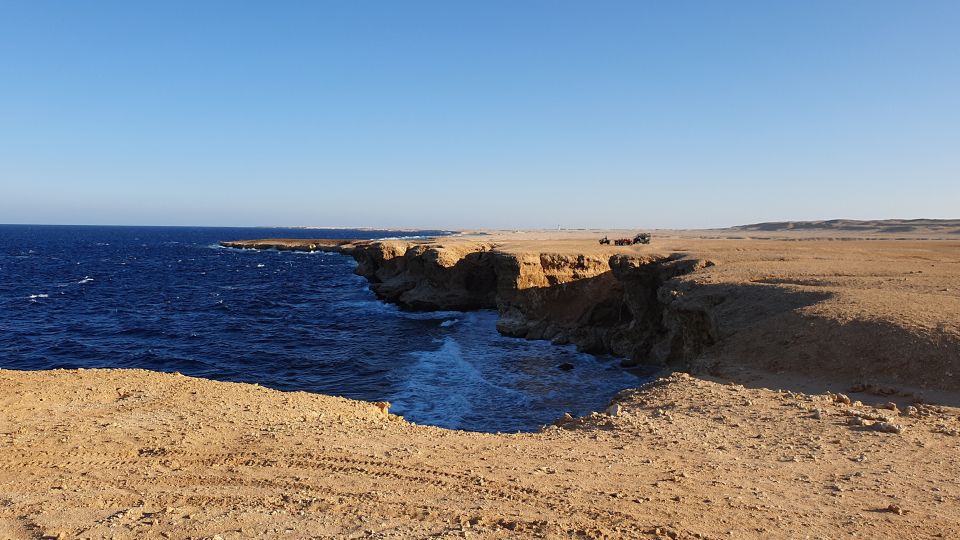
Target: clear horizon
497,115
447,229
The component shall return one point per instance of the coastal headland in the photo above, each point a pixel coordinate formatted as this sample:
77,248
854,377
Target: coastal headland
814,393
873,311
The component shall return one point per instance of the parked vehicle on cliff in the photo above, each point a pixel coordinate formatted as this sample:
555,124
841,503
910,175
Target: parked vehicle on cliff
642,238
605,241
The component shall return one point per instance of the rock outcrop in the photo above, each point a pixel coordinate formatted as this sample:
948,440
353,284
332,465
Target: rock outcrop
427,277
766,307
624,305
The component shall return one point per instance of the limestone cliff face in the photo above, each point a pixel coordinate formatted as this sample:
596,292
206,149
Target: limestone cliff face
429,277
624,305
670,309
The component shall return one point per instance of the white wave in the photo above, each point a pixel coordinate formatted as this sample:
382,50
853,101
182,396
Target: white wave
241,250
86,279
412,237
35,296
449,323
418,236
428,315
315,252
260,265
425,396
442,387
383,308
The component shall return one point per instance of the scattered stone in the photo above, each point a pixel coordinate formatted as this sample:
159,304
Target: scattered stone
888,427
896,509
614,410
867,415
889,405
567,417
841,398
883,426
817,414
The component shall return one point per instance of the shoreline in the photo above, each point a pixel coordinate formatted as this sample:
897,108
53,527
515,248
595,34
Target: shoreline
695,305
822,407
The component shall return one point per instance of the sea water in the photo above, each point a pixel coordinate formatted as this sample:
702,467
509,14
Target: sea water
171,299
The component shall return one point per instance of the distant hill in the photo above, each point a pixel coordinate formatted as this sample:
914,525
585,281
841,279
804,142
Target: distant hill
883,226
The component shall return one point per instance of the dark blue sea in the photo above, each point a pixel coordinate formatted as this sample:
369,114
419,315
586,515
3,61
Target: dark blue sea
170,299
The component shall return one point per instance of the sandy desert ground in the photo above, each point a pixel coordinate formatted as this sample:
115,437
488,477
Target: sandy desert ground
828,409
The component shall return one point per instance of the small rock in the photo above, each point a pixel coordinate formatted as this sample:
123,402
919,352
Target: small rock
614,410
896,509
817,414
888,427
841,398
857,421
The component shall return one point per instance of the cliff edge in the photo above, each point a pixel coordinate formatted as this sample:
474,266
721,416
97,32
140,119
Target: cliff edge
873,313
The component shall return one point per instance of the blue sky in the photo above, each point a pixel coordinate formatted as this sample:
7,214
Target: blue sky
462,114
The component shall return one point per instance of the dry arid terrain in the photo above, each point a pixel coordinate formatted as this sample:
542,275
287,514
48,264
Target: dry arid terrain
823,403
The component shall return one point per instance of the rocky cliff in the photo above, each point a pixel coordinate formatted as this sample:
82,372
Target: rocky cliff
426,277
819,309
623,305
